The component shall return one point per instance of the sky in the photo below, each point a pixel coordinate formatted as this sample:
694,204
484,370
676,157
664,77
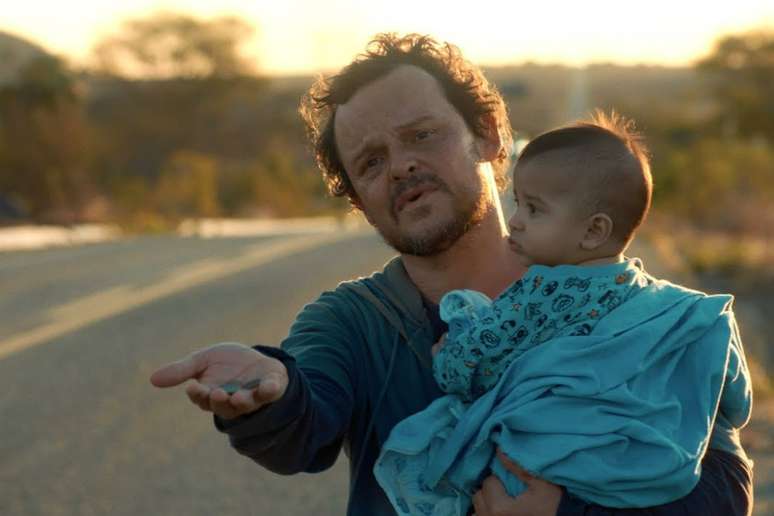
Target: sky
302,36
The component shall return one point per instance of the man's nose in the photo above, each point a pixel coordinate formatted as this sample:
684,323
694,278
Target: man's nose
403,166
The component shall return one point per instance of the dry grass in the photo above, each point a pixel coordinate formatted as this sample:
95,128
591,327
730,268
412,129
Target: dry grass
687,249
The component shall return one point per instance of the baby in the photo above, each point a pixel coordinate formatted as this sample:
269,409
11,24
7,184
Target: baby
581,192
587,371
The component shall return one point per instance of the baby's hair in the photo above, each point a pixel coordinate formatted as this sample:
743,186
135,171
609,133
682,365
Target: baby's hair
607,161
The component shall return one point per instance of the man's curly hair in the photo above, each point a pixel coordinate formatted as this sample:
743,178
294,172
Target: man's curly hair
463,83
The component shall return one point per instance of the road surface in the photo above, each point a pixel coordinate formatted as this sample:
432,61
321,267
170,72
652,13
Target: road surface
84,433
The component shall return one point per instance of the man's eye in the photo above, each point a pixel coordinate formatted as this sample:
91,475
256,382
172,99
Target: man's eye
531,208
372,162
423,134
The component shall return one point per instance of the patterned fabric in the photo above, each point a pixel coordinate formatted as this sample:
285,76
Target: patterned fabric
486,336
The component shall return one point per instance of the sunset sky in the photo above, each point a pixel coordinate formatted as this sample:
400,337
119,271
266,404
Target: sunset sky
298,36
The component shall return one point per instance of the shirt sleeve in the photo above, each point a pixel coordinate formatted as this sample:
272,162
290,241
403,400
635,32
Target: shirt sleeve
736,398
724,489
305,429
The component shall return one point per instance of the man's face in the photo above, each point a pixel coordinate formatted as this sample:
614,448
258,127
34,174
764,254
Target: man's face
547,227
413,162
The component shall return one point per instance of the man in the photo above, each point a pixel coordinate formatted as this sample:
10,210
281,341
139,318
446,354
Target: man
417,139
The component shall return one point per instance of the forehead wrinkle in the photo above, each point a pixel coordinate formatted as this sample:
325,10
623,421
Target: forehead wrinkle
396,100
372,141
415,121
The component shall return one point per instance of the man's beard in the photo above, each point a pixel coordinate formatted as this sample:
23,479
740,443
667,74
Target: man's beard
468,213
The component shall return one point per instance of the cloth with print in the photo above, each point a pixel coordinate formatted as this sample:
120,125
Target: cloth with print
619,411
485,336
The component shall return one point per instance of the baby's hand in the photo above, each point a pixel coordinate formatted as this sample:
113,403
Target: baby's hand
438,345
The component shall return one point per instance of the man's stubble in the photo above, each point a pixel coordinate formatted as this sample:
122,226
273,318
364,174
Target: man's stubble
469,211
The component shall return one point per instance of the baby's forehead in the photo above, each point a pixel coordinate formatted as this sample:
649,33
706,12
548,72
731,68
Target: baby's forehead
556,168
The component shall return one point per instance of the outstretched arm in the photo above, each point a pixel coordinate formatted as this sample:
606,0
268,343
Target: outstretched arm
295,419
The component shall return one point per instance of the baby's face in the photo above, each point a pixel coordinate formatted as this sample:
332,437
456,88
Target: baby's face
548,225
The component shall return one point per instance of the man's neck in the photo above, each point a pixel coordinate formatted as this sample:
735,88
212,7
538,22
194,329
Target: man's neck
480,260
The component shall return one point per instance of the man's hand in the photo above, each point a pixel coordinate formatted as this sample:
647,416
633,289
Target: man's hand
540,499
222,363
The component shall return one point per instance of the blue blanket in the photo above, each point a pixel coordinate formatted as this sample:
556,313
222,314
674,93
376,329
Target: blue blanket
621,417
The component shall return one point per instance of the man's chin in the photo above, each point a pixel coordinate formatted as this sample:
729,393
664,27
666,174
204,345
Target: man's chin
430,228
426,240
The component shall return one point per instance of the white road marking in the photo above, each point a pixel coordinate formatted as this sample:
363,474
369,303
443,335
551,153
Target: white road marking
88,310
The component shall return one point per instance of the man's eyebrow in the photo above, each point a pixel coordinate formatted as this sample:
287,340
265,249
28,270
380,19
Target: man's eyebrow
415,122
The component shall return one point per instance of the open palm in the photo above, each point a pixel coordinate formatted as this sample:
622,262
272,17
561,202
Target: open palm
224,363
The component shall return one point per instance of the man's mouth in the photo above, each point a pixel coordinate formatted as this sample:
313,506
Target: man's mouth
412,195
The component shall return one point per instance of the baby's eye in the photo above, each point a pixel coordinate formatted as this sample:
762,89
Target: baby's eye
531,208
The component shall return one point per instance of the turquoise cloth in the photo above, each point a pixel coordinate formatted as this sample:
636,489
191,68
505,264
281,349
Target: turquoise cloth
485,336
620,417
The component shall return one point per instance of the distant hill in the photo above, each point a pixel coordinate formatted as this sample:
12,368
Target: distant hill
543,96
540,96
15,52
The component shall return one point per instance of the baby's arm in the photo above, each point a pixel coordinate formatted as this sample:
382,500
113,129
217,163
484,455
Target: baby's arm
453,372
471,358
457,354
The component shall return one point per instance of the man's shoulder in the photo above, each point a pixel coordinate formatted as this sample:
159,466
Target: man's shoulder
389,286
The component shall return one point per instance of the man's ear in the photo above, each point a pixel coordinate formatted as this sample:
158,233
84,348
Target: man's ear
489,145
599,227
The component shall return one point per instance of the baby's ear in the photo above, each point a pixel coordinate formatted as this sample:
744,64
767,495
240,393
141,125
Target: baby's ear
599,227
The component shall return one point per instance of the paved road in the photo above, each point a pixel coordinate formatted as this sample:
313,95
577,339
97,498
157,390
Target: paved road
84,433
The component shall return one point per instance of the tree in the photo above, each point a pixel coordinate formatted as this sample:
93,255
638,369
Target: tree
172,45
188,186
44,150
742,70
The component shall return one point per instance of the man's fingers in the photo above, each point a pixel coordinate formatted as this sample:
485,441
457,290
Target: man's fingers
178,372
488,501
220,403
270,389
199,395
521,473
479,504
